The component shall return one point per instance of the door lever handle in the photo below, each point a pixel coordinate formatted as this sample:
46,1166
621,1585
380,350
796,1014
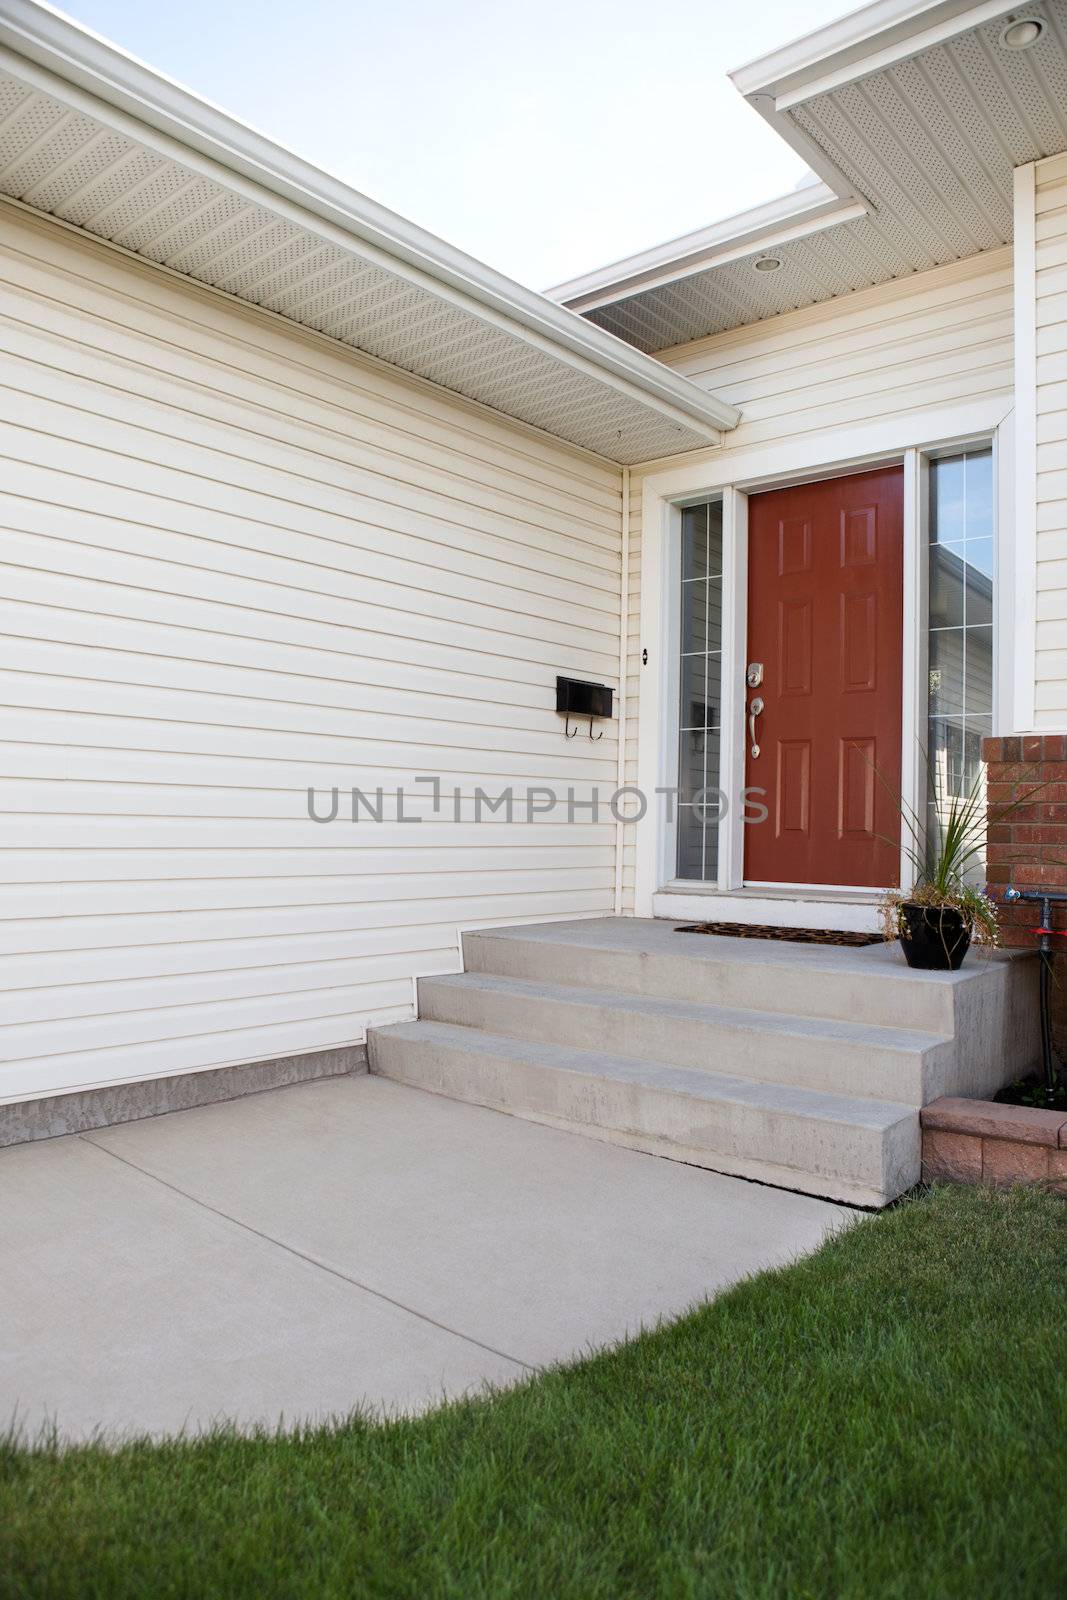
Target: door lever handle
755,709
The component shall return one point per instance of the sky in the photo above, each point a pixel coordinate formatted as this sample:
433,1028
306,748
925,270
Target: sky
545,139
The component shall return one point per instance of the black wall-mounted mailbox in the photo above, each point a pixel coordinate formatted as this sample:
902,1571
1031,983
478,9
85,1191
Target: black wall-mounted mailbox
575,698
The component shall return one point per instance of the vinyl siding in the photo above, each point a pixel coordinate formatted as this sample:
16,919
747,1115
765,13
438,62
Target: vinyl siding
1051,310
922,343
239,562
905,347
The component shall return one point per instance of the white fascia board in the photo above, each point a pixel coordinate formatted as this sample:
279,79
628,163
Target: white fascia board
72,56
742,224
777,223
865,41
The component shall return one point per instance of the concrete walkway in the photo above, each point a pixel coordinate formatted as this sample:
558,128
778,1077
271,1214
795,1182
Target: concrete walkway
295,1254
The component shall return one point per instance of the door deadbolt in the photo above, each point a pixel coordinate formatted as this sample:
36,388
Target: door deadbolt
754,674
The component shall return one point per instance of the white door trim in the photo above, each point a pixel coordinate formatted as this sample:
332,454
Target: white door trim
734,474
914,656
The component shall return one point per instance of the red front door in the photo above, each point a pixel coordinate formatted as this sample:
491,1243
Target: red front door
825,620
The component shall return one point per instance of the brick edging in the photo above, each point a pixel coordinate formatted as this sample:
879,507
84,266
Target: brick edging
980,1141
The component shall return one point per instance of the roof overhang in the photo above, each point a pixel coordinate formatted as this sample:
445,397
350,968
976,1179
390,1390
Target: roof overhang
861,42
912,116
98,140
791,216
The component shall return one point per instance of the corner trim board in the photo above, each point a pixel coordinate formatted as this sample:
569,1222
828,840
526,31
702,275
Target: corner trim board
1025,499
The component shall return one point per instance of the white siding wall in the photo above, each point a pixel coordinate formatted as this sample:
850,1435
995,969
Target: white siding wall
924,343
1051,264
917,344
238,562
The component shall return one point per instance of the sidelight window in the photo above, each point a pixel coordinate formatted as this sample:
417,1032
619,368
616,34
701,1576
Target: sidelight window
961,576
700,677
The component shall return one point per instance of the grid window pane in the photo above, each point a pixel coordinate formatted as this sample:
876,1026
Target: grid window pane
961,578
695,542
947,500
946,587
978,672
714,609
691,755
946,671
690,844
978,583
694,703
700,700
714,693
715,540
694,615
978,486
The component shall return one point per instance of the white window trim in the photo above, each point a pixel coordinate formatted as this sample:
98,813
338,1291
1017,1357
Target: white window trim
735,475
1024,575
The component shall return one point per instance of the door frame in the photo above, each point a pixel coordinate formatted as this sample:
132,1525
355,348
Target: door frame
832,494
911,442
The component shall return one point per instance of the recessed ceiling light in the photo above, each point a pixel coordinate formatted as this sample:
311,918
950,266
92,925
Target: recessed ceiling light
767,263
1021,32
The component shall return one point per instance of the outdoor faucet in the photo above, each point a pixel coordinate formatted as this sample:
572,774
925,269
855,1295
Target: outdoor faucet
1047,898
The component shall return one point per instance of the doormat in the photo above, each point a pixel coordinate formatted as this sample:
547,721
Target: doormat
752,930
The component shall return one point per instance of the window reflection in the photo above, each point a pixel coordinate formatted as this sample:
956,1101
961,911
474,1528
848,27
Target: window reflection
961,576
700,690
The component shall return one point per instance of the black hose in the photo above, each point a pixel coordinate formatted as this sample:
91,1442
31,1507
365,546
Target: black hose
1046,1024
1047,898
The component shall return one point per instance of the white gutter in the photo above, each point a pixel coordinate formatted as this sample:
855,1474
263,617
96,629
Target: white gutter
790,216
41,35
866,41
857,43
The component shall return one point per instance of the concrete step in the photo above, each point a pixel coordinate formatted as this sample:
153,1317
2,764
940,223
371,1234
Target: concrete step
800,1065
639,956
843,1147
825,1054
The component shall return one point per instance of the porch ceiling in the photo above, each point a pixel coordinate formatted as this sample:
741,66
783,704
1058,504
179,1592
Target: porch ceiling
94,138
919,115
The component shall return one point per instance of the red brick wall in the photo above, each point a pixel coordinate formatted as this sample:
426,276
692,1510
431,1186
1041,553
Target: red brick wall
1028,847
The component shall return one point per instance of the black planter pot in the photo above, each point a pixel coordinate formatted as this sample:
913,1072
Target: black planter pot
935,938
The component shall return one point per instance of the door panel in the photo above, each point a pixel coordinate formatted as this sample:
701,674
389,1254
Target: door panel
825,617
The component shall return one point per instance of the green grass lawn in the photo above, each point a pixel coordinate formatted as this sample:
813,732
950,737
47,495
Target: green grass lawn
886,1418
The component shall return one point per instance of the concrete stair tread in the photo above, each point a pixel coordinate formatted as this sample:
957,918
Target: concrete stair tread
734,1018
798,1065
692,1082
623,935
872,984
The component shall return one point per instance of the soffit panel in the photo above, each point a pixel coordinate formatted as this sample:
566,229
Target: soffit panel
64,163
929,143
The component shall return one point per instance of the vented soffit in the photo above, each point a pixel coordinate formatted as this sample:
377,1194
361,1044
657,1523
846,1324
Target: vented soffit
912,117
99,141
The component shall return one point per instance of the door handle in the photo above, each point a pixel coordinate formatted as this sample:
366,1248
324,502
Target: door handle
755,709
